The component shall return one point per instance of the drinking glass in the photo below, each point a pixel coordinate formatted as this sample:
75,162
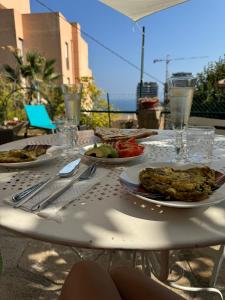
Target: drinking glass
72,95
71,135
66,135
60,137
180,101
199,143
180,94
72,99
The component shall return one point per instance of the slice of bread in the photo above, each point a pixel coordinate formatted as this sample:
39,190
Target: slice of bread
115,134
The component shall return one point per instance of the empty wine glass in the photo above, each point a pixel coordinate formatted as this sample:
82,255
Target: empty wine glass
66,135
71,135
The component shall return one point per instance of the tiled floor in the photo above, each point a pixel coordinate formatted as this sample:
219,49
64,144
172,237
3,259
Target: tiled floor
36,270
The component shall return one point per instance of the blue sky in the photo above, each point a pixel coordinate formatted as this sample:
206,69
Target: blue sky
195,28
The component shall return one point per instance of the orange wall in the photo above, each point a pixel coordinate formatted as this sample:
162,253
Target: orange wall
46,33
7,36
80,53
18,27
41,34
83,59
76,65
66,37
22,6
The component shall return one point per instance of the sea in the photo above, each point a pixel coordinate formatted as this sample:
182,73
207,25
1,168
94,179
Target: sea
127,103
123,104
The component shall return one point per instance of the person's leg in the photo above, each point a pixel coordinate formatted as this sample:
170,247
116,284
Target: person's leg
88,281
134,285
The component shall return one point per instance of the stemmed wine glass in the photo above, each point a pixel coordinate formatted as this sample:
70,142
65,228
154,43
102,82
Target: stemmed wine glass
180,95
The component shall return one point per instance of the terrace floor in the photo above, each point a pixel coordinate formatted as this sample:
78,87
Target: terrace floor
36,270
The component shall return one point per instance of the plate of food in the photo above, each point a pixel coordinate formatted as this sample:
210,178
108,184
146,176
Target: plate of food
114,153
28,156
111,135
173,185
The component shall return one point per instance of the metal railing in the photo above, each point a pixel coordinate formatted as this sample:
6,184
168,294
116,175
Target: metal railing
115,106
215,110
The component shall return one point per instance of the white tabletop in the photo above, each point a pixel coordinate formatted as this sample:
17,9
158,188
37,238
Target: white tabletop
107,217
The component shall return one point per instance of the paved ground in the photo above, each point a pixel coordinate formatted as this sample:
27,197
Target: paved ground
36,270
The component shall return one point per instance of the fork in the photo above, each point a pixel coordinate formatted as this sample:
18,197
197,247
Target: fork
87,174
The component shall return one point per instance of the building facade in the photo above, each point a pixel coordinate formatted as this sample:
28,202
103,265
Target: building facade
47,33
149,89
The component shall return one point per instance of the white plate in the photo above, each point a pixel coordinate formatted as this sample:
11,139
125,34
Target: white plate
129,178
51,154
117,160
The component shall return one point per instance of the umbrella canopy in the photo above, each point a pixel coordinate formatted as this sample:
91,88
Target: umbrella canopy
137,9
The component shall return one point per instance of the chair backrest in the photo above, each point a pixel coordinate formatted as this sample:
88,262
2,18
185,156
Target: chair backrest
38,116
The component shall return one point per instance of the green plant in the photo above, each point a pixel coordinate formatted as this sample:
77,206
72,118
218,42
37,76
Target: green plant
35,77
207,90
30,75
96,119
10,104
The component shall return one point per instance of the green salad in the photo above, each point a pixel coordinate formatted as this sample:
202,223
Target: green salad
102,151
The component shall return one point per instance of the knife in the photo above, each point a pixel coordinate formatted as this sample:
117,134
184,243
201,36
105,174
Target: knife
88,173
26,195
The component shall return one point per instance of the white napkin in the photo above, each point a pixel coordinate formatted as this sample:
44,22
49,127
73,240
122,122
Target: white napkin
52,211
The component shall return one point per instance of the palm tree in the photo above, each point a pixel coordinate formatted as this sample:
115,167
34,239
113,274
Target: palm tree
32,74
14,75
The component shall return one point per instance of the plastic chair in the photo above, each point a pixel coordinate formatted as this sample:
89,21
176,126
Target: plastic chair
38,117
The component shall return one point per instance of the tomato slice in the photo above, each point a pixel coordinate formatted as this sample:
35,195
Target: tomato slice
125,144
131,151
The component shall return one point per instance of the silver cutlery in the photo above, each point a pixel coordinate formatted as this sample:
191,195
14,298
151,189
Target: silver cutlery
19,196
24,196
87,174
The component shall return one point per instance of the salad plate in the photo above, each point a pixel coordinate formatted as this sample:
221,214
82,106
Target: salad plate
116,160
129,180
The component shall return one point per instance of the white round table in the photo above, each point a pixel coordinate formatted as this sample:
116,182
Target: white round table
106,216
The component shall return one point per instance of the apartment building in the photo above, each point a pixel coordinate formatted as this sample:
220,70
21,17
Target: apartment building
149,89
47,33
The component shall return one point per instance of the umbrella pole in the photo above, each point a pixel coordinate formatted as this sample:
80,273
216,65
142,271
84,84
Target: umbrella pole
142,60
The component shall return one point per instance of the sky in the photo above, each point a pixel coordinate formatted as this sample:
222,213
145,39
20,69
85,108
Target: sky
194,28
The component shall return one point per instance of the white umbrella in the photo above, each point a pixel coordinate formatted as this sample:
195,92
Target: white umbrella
137,9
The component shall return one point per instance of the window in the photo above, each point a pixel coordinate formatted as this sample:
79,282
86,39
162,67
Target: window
20,46
68,80
67,55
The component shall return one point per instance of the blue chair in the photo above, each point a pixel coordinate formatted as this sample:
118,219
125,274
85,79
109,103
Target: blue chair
37,116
